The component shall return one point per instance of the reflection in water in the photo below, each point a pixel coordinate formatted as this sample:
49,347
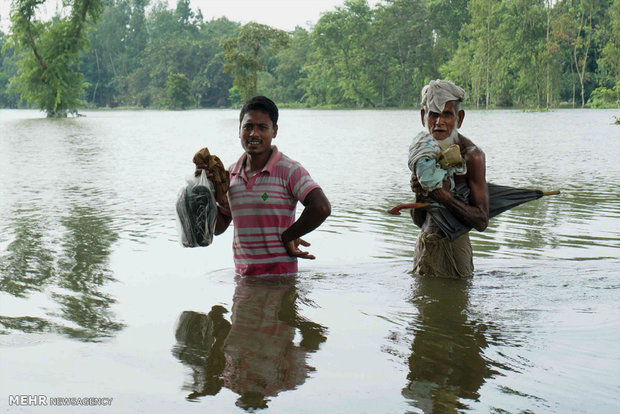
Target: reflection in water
446,363
254,354
27,265
83,271
75,275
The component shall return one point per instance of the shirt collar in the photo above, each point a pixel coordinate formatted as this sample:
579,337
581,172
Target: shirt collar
271,162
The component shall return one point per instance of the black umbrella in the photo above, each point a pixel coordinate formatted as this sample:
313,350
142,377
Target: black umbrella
501,198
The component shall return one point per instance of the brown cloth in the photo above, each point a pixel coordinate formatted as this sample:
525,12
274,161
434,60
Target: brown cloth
219,176
436,256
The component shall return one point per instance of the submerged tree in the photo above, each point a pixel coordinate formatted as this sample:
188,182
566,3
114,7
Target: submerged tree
48,75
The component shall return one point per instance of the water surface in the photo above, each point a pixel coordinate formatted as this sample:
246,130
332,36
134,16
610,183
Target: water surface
93,279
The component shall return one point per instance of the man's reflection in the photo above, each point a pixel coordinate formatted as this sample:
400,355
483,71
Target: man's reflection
254,354
446,363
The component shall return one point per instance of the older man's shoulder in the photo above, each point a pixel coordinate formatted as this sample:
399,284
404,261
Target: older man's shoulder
471,152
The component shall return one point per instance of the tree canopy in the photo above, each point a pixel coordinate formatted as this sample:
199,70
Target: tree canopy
528,53
48,65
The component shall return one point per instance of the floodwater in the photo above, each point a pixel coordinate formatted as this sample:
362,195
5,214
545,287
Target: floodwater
99,299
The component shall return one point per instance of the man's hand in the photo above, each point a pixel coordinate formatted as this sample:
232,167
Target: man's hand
415,185
442,195
199,168
292,248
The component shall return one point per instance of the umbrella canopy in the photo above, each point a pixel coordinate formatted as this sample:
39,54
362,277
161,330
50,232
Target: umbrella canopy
501,198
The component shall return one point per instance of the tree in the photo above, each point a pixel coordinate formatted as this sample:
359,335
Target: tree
8,69
446,18
210,85
116,44
340,70
287,74
522,63
479,52
178,91
608,71
246,54
575,29
403,47
48,75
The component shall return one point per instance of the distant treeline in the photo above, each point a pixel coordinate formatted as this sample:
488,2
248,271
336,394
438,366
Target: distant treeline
529,53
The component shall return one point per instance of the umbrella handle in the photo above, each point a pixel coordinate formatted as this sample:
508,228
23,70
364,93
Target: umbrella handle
396,210
547,193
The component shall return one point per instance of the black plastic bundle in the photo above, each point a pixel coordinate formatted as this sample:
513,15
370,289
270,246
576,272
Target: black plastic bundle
197,212
501,198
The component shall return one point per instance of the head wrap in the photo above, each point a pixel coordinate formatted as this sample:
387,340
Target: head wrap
438,92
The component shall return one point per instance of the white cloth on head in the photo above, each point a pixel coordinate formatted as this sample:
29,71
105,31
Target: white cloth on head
438,92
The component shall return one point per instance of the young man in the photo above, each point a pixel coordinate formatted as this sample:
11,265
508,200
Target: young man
265,186
435,254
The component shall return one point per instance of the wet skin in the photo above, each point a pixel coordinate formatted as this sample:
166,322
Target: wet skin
476,214
256,133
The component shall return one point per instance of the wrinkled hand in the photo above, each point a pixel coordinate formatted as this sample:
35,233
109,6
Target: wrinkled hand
292,248
415,185
443,194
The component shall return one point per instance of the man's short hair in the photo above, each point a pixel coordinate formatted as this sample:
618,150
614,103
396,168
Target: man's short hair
260,103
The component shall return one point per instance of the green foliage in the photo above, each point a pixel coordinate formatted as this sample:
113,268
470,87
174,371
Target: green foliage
340,69
247,54
234,96
407,57
284,84
603,97
8,69
529,53
48,74
178,91
608,70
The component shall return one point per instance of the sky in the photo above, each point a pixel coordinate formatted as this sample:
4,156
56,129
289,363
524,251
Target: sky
281,14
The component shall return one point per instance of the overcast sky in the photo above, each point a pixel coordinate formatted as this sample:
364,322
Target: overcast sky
282,14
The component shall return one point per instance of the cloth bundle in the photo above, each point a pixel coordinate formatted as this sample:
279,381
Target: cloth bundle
431,165
220,177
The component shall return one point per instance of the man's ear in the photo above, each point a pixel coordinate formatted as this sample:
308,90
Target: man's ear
461,117
275,131
422,116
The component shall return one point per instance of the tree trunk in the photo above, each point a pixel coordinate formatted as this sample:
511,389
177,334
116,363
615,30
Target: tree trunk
488,53
548,54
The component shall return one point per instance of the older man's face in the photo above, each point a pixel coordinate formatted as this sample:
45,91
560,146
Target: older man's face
440,126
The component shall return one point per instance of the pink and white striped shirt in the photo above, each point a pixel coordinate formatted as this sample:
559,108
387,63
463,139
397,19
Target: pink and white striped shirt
262,207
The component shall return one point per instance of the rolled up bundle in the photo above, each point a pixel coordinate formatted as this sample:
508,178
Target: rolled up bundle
501,199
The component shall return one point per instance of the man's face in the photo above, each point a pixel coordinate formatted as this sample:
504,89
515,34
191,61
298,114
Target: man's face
256,132
440,126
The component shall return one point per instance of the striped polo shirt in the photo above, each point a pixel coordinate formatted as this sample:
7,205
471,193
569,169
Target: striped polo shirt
262,207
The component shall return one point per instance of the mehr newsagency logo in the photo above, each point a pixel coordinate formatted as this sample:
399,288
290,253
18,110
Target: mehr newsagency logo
44,400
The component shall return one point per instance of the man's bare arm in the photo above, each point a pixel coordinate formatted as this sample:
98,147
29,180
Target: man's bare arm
317,209
417,214
476,214
221,223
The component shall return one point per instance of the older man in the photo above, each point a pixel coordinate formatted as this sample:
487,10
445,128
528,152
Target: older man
435,254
